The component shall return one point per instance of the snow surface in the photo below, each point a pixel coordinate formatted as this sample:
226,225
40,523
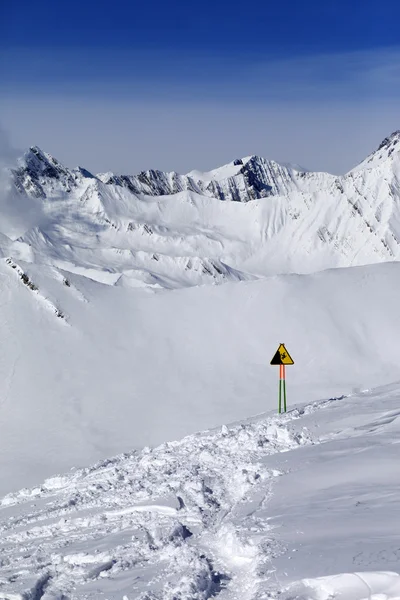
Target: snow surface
299,506
89,369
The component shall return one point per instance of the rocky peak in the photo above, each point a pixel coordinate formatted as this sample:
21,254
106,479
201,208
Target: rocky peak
386,151
81,171
38,174
391,141
40,164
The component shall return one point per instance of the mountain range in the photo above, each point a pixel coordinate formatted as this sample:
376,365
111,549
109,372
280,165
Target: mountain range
247,219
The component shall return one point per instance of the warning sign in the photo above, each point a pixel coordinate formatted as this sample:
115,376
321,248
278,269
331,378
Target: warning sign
282,357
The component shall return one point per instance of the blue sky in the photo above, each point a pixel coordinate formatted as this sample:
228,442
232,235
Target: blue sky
277,28
127,86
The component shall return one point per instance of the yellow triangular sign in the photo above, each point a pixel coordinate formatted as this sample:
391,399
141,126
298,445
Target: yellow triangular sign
282,357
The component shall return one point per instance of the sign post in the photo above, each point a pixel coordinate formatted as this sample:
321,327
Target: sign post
282,358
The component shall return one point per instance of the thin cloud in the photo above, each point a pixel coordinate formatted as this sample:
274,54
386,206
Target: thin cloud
190,77
324,112
18,213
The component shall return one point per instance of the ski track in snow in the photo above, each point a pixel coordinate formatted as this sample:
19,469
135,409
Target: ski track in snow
159,524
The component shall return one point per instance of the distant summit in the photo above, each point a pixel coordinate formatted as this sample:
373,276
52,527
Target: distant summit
387,149
392,139
39,174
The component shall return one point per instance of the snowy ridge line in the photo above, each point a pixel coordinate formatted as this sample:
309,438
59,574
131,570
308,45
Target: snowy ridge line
34,288
169,510
63,276
163,271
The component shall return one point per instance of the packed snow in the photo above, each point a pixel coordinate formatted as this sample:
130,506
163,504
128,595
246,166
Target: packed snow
303,505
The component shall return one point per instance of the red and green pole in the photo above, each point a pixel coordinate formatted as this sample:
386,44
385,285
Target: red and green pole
282,358
282,388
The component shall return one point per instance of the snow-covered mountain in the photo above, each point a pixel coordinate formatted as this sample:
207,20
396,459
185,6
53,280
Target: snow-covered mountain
242,180
168,230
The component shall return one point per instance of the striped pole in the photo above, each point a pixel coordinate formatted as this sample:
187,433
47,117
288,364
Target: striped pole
282,358
282,387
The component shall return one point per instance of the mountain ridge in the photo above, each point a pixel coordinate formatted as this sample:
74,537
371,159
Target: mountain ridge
248,219
260,177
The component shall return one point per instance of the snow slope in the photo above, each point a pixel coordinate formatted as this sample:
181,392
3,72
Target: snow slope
239,512
89,369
